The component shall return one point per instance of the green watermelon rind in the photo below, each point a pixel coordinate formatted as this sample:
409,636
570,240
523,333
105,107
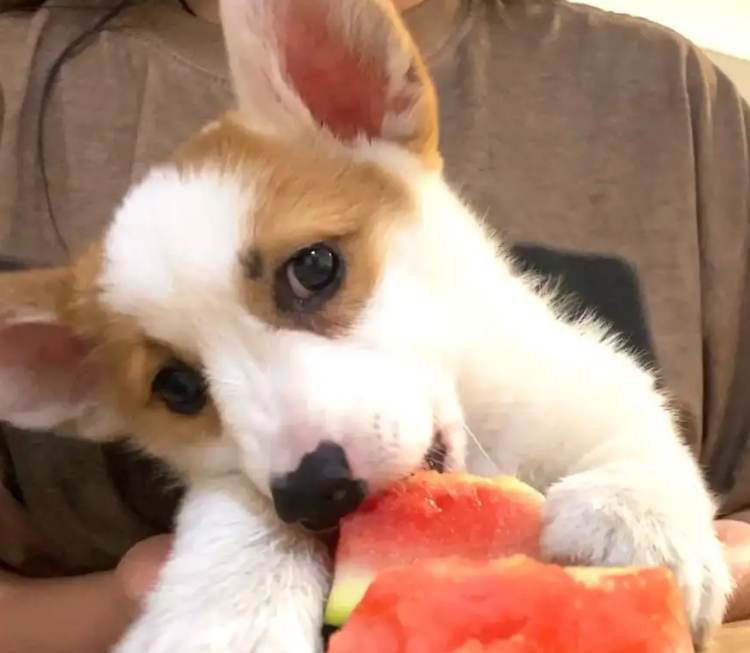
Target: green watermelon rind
344,597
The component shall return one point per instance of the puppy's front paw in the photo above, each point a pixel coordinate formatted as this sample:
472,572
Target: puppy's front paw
601,518
193,625
267,598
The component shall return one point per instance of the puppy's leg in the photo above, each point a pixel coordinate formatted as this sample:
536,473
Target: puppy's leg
238,581
567,411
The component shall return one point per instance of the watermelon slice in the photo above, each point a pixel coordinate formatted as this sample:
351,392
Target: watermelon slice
516,605
432,516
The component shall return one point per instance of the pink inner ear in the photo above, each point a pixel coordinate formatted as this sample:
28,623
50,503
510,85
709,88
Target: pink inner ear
49,354
343,91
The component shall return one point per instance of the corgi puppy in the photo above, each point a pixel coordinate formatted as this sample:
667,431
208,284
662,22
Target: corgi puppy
297,310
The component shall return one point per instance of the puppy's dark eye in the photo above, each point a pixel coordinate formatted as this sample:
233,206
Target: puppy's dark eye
182,388
309,278
313,269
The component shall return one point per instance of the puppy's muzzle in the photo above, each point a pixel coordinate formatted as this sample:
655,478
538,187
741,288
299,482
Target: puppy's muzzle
320,492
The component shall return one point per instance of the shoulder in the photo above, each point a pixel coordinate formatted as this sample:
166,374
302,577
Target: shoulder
586,21
589,37
604,54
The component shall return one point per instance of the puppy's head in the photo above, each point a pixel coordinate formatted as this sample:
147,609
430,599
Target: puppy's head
273,300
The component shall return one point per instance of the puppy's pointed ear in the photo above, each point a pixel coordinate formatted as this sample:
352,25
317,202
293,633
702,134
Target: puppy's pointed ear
345,66
48,377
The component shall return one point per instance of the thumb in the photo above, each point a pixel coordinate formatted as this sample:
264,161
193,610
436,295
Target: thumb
139,569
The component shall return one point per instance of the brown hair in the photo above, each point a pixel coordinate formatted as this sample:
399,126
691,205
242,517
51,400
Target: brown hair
20,5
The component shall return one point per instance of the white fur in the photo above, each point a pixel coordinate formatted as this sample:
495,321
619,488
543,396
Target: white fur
451,335
237,580
172,254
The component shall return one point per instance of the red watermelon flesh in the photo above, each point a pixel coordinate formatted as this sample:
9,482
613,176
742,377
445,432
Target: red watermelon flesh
516,605
432,516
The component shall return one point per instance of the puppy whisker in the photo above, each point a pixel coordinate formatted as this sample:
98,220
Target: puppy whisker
479,446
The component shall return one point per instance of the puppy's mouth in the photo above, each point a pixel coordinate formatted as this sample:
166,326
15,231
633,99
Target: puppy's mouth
435,459
437,454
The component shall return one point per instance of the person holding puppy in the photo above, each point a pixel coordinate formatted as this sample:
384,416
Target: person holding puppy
627,178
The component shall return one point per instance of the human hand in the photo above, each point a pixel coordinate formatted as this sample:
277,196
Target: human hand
735,535
44,615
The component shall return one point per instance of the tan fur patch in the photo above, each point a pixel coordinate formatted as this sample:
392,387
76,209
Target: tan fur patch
306,195
131,361
125,361
35,291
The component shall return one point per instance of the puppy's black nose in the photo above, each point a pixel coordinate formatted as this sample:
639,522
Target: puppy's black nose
320,491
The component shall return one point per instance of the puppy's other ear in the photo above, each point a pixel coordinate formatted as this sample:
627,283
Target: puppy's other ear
348,67
48,377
